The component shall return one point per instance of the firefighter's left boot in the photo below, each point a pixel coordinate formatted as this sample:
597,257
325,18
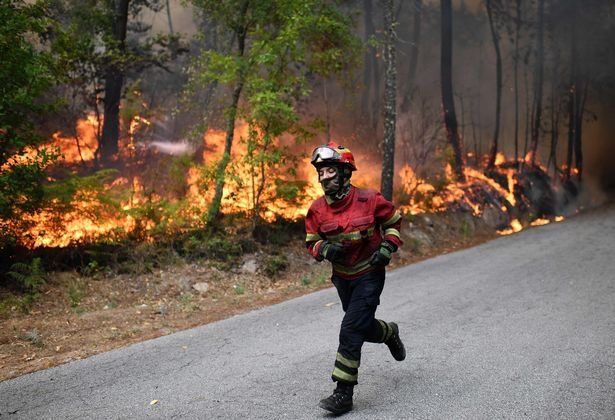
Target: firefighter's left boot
340,401
394,343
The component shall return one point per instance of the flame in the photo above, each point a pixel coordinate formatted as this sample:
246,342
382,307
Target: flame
241,189
91,218
454,192
499,158
82,146
515,226
88,221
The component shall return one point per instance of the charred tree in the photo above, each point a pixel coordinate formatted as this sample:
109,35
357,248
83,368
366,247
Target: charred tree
114,82
578,138
414,55
555,115
572,97
371,99
516,75
448,100
369,52
416,40
538,82
390,90
498,82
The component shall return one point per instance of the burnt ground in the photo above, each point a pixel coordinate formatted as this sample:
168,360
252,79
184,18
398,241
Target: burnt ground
78,316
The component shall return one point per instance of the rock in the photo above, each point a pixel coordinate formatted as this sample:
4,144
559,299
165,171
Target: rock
495,218
201,287
420,238
249,266
427,221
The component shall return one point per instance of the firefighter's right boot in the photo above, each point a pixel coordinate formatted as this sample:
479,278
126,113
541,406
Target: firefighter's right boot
394,343
340,401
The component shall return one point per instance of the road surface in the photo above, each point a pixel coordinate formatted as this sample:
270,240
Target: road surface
520,327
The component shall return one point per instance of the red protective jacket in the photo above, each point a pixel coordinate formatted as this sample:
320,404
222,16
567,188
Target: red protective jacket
359,222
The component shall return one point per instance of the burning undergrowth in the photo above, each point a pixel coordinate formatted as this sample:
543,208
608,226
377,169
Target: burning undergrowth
152,208
508,197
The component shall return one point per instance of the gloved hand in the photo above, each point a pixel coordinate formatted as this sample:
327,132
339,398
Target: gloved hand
332,251
382,256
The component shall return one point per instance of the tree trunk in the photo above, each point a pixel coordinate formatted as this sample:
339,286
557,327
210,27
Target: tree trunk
571,129
528,112
414,45
516,77
390,90
369,52
538,83
572,97
114,81
214,208
448,101
578,144
498,84
376,98
414,56
555,114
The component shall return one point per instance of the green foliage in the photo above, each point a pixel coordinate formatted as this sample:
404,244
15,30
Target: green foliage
186,301
292,192
33,337
414,246
239,289
275,264
27,72
91,268
30,276
216,248
467,228
75,294
10,303
287,40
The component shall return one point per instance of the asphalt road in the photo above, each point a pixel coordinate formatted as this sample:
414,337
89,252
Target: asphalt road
520,327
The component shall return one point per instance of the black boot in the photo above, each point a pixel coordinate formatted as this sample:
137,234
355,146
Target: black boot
340,401
394,343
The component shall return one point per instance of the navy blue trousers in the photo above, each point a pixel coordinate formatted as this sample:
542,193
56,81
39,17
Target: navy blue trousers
360,299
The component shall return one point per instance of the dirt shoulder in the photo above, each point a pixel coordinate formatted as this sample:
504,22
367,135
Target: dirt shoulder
77,316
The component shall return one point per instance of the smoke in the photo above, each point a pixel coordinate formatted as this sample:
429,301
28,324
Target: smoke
181,18
172,148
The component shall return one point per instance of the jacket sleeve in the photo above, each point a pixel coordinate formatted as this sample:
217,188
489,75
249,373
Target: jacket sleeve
313,240
389,219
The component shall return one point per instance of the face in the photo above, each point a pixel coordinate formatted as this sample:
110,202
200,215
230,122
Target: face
327,176
326,172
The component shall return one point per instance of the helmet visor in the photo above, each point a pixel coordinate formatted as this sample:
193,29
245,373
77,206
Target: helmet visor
322,154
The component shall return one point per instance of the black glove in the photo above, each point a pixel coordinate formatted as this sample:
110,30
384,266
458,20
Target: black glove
332,251
382,256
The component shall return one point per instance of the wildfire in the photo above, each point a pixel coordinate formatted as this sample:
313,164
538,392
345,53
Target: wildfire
82,146
474,194
88,221
272,189
424,197
515,226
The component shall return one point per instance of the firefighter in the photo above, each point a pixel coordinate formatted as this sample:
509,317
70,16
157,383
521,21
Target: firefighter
357,230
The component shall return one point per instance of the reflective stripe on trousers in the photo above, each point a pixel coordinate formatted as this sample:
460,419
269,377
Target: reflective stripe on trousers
359,298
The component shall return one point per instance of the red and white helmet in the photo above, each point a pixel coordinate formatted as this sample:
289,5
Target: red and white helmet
333,153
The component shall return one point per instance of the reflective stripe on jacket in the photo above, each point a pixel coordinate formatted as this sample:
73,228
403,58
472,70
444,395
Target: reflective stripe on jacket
359,222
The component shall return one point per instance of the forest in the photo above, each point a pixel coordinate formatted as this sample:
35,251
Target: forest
136,133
